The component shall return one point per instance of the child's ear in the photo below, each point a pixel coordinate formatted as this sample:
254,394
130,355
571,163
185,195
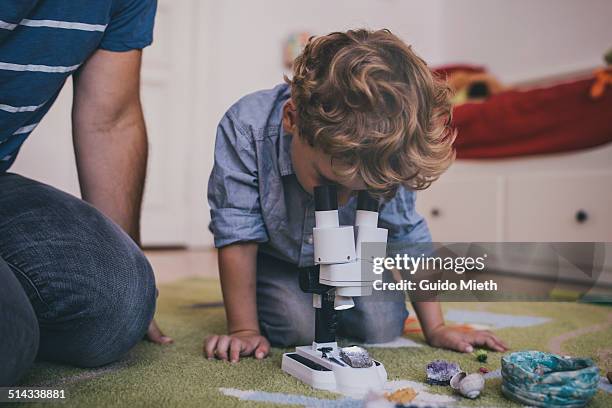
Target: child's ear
290,117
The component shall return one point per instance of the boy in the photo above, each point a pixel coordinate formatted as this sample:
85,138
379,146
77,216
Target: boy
362,111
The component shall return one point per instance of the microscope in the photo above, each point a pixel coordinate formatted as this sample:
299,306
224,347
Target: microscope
341,271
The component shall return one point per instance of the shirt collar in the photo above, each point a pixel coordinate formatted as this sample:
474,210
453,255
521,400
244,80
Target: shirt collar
284,152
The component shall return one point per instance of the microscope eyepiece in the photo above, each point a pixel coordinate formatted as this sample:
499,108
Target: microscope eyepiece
366,202
326,197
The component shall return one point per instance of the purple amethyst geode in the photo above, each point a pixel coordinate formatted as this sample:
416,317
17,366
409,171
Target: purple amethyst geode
439,372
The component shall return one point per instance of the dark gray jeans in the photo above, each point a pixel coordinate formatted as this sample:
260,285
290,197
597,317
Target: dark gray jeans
287,318
74,288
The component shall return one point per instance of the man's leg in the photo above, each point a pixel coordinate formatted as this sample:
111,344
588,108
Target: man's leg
286,315
91,287
18,329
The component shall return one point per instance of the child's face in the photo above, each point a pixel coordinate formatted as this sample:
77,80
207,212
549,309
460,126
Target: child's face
313,167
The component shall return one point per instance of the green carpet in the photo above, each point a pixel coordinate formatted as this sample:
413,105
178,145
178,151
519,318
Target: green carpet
178,375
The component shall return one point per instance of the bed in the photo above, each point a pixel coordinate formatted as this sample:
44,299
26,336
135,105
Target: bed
510,122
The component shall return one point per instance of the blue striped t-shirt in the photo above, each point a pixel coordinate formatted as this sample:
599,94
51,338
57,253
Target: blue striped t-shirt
42,42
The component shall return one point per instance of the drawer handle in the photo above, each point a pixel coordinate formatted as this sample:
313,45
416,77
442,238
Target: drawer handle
435,212
581,216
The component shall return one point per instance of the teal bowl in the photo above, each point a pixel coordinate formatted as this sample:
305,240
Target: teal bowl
542,379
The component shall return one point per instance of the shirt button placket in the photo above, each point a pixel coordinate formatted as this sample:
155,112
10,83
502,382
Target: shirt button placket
307,240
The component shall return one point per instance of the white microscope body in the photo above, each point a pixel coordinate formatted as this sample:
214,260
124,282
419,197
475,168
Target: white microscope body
339,278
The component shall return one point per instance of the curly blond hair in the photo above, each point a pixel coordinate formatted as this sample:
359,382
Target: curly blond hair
366,99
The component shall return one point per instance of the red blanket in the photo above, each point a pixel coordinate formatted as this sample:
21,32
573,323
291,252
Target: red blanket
557,118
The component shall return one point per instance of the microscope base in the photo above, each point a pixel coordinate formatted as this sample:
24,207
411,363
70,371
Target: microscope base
332,374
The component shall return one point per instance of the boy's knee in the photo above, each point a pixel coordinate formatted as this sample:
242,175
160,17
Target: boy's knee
286,316
382,329
289,331
374,322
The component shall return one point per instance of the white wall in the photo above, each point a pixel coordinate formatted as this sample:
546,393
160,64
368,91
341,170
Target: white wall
247,36
237,49
518,39
524,39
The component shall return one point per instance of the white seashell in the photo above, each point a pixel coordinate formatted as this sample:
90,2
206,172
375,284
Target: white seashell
469,386
456,379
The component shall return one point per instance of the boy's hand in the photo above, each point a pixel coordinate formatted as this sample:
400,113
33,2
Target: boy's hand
455,339
235,345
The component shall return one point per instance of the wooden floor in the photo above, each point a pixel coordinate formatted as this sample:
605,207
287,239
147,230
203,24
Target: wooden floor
171,265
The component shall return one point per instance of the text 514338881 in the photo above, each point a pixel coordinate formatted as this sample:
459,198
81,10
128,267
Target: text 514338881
24,394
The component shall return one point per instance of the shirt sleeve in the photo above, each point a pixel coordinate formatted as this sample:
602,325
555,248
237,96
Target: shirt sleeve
130,26
233,187
400,218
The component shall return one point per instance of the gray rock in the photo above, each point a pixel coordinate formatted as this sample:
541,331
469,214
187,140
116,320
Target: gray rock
356,357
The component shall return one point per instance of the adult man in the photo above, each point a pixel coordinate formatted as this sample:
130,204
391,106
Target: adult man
74,285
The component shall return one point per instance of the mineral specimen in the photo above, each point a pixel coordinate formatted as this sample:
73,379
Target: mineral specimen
356,357
439,372
481,355
402,396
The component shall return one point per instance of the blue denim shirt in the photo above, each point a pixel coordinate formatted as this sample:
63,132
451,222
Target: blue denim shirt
254,194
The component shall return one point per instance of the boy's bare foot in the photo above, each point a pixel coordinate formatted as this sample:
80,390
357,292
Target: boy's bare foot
235,345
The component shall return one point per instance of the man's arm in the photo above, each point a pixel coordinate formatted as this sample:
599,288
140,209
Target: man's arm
110,141
237,269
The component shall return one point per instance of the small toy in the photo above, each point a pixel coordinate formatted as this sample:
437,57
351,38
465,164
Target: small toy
402,396
468,385
294,45
603,77
483,370
440,372
542,379
356,357
481,355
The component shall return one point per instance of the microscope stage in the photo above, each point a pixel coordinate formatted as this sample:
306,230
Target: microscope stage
331,373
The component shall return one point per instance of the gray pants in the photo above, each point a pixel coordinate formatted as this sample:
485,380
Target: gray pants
287,318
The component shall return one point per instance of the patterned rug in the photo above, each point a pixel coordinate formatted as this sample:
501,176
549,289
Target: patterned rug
189,310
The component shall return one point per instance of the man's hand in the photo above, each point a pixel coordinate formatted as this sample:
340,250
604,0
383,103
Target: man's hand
235,345
155,335
458,340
